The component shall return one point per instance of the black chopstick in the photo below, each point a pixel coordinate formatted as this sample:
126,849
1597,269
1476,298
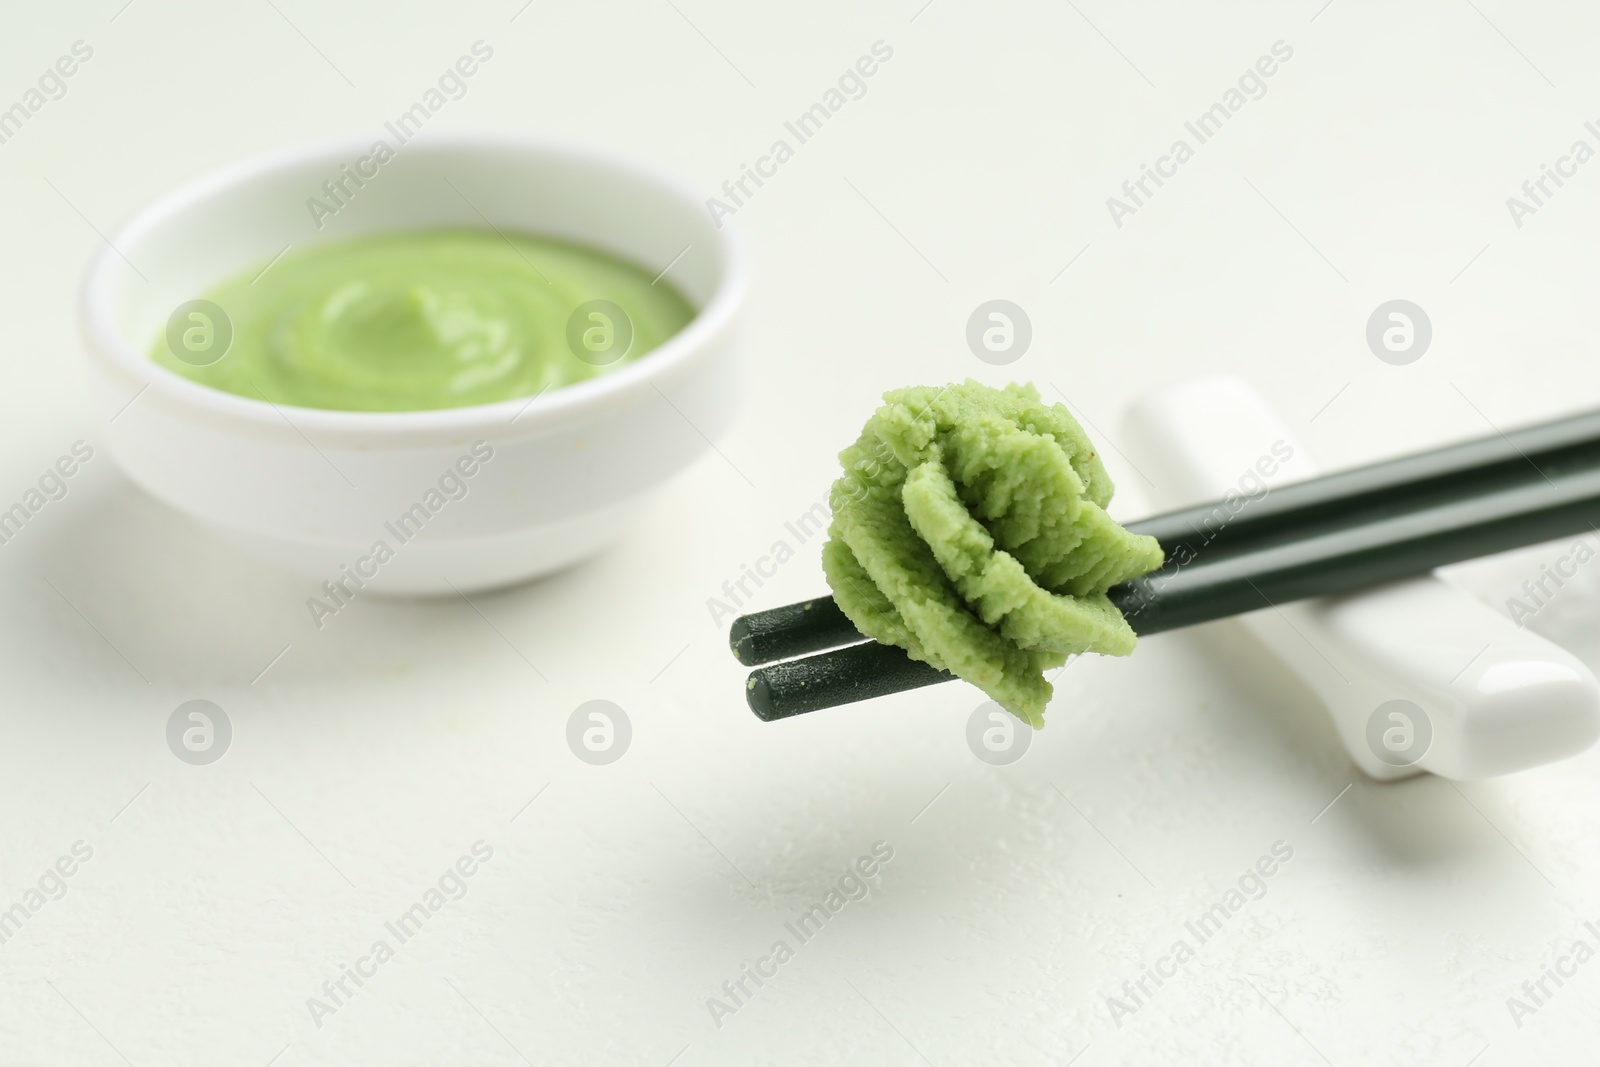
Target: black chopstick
1349,557
1355,497
843,676
1207,532
792,630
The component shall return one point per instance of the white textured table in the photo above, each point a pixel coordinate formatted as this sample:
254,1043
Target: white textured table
215,901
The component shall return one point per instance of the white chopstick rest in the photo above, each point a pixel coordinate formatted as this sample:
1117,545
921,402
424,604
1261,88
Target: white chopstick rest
1417,675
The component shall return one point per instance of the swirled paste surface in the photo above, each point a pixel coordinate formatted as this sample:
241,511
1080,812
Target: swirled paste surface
427,319
969,528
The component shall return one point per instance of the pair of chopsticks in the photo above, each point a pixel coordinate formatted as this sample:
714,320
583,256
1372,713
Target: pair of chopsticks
1335,534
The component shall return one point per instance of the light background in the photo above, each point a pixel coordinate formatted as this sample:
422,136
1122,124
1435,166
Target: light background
377,750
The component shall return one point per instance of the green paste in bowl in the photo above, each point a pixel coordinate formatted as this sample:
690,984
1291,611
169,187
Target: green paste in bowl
414,321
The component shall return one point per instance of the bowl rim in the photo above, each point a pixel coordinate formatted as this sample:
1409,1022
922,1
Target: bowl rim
107,344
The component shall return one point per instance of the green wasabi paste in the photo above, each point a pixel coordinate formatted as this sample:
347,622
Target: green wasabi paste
427,319
969,528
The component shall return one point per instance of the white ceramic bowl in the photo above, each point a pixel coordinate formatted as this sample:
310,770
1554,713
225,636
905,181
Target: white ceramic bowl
312,489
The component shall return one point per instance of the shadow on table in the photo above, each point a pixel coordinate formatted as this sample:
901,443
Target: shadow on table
126,580
1420,822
